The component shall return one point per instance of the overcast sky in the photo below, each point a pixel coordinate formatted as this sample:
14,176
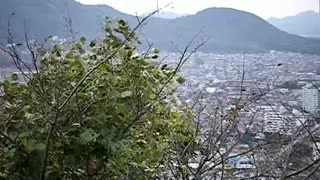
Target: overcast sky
262,8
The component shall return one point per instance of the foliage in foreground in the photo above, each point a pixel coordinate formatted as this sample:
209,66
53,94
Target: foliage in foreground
119,123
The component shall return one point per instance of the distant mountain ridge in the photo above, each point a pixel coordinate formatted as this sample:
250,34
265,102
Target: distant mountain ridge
226,30
304,24
168,15
47,17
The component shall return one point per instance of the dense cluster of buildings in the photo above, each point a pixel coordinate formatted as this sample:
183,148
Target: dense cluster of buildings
276,92
286,82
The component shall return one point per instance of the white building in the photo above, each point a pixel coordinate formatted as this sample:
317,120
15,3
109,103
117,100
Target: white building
310,99
273,122
276,120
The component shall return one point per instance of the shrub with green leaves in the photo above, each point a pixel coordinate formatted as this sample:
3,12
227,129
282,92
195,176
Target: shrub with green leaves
117,123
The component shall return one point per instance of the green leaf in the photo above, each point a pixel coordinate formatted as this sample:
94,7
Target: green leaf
163,67
88,136
156,51
83,40
40,146
28,145
6,84
181,80
142,142
153,96
14,77
10,153
126,94
28,115
122,22
155,56
157,154
92,44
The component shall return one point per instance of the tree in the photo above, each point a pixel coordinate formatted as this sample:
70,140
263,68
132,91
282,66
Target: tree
90,109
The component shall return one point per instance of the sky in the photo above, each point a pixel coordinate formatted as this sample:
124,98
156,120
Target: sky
262,8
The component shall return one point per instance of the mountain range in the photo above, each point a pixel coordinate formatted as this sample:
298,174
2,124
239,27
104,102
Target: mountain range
225,30
304,24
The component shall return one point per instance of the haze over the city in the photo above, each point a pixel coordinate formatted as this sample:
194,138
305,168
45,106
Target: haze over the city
262,8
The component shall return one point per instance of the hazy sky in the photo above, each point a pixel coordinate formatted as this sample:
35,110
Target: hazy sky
262,8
